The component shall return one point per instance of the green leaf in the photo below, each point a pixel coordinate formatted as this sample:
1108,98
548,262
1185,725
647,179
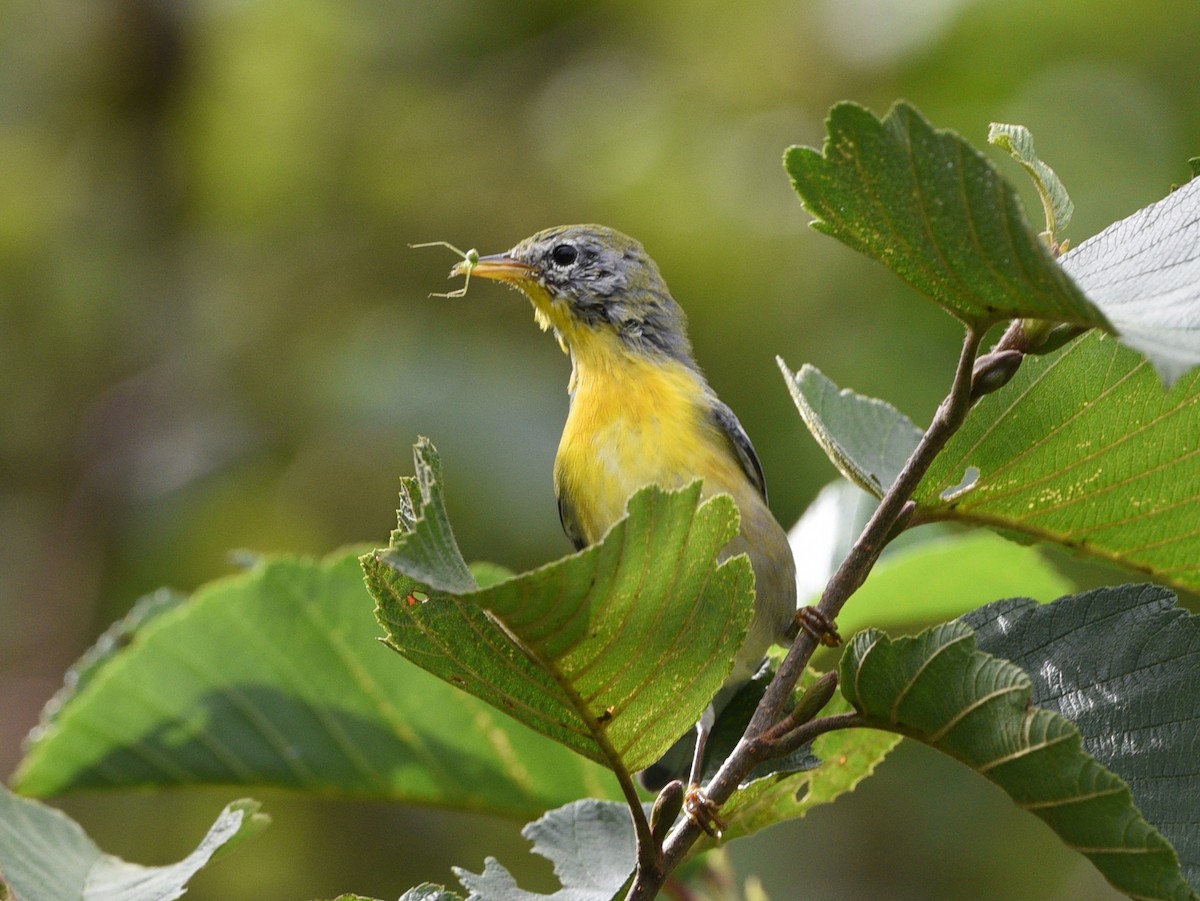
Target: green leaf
1121,664
946,577
924,576
115,639
275,677
591,845
934,210
1083,448
780,790
1056,203
868,440
45,855
1144,274
1194,165
423,545
938,688
614,651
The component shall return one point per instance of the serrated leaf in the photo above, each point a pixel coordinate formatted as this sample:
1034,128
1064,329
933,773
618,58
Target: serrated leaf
276,677
1056,203
937,212
45,855
868,440
614,651
1144,274
939,688
591,845
1085,449
1121,664
110,644
423,545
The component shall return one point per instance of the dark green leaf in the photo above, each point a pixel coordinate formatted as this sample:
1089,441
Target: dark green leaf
933,209
276,677
46,856
1121,664
938,688
868,440
591,844
1083,448
614,651
1144,274
1056,203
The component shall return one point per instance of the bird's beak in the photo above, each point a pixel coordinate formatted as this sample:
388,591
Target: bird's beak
498,267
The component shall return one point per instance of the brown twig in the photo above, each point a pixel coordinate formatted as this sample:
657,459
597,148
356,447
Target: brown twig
754,746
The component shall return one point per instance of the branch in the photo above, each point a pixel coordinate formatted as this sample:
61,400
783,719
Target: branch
894,508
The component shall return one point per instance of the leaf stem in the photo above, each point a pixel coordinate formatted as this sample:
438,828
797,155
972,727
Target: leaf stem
853,571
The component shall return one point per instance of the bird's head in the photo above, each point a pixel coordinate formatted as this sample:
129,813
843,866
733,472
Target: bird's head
592,285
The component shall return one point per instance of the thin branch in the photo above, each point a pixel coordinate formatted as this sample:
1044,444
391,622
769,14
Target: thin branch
773,707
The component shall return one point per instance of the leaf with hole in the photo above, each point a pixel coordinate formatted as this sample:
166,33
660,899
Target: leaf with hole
1083,448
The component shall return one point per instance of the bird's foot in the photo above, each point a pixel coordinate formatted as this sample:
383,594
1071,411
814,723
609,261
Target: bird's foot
816,623
703,812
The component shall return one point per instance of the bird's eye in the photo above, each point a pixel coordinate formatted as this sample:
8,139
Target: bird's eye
563,255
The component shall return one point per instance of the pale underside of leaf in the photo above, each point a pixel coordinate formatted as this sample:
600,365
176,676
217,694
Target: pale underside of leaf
1017,140
1143,272
591,845
868,440
44,855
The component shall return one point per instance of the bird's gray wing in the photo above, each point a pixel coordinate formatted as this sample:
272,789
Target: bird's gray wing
570,524
727,422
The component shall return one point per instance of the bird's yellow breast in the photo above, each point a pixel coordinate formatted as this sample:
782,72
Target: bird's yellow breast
636,421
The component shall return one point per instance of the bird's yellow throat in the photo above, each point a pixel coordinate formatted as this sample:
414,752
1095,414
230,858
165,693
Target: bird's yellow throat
635,421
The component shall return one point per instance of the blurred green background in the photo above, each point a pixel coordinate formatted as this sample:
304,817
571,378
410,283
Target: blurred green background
214,337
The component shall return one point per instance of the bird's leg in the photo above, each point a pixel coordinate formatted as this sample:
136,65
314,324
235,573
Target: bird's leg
816,623
700,809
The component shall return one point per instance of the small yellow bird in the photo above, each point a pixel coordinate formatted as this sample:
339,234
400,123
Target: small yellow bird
642,413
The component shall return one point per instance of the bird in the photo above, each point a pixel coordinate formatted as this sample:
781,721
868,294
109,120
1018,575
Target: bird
641,412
